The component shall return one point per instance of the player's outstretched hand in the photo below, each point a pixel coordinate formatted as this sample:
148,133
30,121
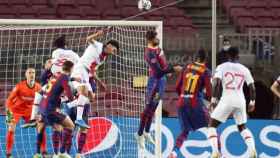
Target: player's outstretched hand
99,33
251,107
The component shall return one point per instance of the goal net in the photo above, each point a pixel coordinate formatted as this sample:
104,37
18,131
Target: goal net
114,114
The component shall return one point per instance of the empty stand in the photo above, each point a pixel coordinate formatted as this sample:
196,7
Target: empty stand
253,13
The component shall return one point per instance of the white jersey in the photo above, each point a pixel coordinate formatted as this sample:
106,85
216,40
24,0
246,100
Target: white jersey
59,56
91,59
233,76
92,56
232,101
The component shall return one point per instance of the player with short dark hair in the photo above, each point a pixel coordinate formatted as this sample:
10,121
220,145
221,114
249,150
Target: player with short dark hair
231,76
158,68
192,112
95,54
50,107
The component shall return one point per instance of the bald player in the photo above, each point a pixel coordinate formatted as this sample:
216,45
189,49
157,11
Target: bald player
19,105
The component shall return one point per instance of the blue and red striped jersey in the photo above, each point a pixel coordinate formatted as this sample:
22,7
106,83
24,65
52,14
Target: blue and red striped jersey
156,60
192,82
45,76
55,88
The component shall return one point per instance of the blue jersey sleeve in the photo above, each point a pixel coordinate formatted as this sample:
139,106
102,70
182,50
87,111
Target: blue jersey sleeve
155,65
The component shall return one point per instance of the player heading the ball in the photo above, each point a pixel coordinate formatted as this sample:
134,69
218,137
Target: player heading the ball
158,68
95,54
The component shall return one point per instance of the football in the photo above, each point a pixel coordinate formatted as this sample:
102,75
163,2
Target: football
144,5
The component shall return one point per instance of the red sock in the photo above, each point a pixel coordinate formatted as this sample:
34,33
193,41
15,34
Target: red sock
44,142
9,141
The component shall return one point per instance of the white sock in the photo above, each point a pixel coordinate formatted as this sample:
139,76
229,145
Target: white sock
37,99
213,139
80,111
249,139
34,112
81,101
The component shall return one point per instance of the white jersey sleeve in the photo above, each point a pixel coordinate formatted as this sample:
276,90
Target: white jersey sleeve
248,76
91,55
219,72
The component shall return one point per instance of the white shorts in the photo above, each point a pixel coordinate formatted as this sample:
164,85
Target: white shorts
226,107
81,72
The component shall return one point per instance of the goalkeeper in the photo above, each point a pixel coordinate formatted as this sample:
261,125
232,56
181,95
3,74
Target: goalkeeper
19,105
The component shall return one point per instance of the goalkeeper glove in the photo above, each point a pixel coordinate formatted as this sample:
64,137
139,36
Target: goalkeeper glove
9,117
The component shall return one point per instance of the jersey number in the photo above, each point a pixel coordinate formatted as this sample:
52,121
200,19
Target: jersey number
191,82
233,79
50,85
59,62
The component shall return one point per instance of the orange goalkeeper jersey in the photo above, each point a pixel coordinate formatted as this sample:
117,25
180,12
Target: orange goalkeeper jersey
21,99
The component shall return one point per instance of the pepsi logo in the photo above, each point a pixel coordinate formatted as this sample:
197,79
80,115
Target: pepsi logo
103,136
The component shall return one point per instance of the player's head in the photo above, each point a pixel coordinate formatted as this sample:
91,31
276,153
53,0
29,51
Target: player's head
30,74
60,42
151,37
48,64
111,47
232,53
226,44
201,56
67,67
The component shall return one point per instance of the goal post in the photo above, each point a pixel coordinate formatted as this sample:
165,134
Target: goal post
116,112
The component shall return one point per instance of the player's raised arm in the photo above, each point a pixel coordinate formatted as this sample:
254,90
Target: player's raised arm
93,37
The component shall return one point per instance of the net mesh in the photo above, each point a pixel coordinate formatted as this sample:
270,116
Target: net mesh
114,114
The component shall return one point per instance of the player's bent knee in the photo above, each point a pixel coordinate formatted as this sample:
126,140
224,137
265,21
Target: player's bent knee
11,127
67,123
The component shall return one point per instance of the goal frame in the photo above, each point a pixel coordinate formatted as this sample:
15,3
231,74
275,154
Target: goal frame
159,29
